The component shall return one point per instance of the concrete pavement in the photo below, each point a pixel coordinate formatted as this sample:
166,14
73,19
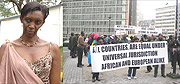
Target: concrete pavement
71,74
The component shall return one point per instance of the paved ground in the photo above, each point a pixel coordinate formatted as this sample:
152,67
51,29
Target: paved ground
71,74
74,75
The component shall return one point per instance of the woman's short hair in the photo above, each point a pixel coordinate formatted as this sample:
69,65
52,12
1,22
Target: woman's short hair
34,6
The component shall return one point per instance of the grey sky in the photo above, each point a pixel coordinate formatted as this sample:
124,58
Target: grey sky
147,7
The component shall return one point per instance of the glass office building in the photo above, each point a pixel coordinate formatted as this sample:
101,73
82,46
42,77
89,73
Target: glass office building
97,16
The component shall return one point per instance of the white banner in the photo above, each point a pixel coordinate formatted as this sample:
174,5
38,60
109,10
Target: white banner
116,56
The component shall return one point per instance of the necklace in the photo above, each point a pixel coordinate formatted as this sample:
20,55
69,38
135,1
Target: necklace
28,45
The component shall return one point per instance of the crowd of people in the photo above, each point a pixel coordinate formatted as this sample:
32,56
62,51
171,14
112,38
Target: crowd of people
82,44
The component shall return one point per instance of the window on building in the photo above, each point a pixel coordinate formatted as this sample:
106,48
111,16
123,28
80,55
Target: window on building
98,29
94,29
119,9
106,29
86,29
72,29
90,29
101,23
118,22
119,2
105,23
98,23
111,29
118,16
64,29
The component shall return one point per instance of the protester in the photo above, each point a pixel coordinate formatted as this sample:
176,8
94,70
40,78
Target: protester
81,45
110,39
144,38
71,44
85,48
105,39
115,40
74,46
29,59
160,38
77,36
89,55
96,74
124,39
176,49
149,68
91,36
153,37
135,39
170,42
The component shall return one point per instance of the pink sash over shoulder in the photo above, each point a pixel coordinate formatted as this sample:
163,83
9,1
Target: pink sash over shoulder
14,70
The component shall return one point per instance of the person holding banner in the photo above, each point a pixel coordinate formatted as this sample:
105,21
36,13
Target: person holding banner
89,54
149,68
124,39
135,39
96,74
160,38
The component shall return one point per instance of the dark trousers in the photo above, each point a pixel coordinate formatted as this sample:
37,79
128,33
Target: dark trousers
71,52
74,51
80,53
149,68
85,51
95,75
130,71
170,53
162,69
176,59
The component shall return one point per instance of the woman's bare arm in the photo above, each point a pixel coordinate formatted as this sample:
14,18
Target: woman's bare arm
3,46
56,65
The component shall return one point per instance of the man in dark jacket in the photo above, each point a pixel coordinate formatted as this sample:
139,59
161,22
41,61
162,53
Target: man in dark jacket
175,50
74,46
170,42
70,46
160,38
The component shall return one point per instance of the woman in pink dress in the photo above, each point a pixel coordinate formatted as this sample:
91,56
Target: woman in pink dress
29,59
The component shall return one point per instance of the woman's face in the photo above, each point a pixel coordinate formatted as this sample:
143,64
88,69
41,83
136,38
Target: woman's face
32,22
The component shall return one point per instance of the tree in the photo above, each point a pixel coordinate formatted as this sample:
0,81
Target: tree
20,3
5,11
17,5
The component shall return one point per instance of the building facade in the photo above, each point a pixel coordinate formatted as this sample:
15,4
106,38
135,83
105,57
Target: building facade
146,23
165,19
97,16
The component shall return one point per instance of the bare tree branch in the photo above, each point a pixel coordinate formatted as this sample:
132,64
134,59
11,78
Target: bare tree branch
14,8
20,4
17,4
